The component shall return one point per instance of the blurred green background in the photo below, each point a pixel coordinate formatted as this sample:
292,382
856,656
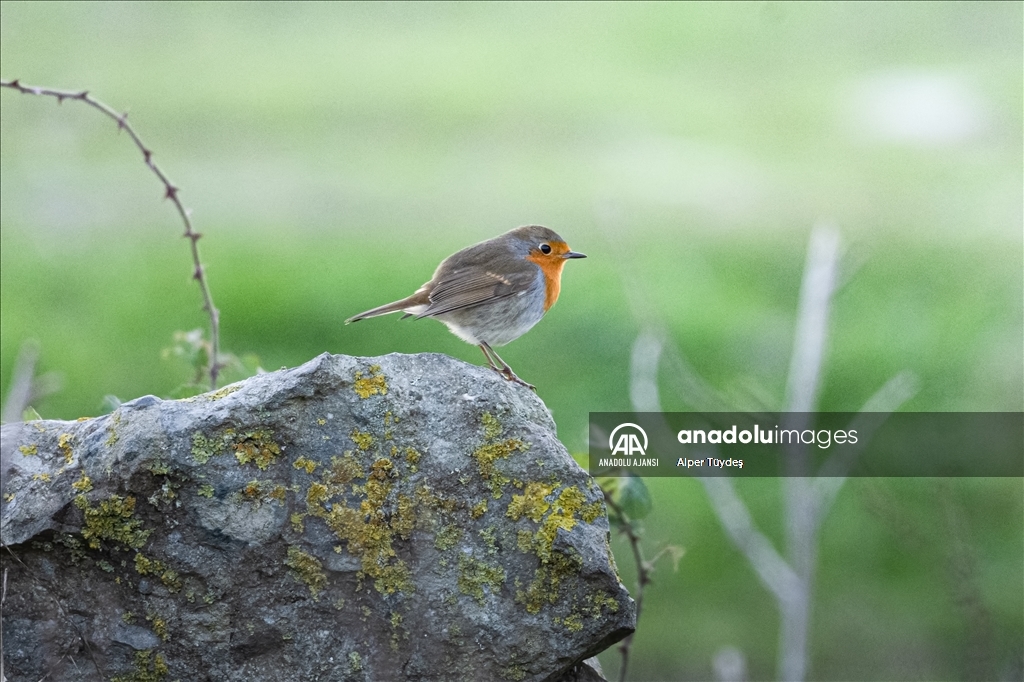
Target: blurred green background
333,154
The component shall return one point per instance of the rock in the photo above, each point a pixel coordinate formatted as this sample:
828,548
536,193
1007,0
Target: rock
395,518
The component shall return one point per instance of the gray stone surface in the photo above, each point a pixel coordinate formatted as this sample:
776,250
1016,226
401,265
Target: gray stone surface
393,518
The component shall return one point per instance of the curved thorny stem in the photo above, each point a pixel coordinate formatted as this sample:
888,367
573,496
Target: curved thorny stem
643,577
170,192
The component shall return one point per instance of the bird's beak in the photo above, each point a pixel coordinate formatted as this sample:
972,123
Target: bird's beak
574,254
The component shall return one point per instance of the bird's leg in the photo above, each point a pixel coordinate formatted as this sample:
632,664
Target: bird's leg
494,360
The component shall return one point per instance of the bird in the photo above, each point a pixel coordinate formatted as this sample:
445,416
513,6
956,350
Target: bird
491,293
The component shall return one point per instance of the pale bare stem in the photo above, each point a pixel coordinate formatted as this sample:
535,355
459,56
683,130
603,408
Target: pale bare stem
643,386
26,386
775,573
876,410
643,577
812,319
170,192
803,508
19,395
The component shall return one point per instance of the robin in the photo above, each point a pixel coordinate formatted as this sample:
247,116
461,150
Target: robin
491,293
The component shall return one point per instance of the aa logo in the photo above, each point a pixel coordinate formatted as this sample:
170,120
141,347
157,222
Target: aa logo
628,442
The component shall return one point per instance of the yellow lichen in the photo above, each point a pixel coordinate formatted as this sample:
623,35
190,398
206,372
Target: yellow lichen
344,470
148,668
64,443
531,503
492,427
372,384
364,441
257,447
447,537
316,495
307,464
308,569
492,450
474,575
206,490
370,529
573,622
224,392
44,477
413,458
28,450
547,580
83,484
112,520
593,511
516,673
146,566
479,509
159,626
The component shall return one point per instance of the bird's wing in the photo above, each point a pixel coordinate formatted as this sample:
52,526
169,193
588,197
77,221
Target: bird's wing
472,286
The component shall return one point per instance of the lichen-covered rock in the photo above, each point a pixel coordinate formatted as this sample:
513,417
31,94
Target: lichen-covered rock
402,517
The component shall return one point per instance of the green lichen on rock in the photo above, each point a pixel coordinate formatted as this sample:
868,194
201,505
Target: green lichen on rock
447,537
532,503
515,673
204,448
258,492
493,450
379,516
474,575
251,447
308,569
148,668
64,445
373,383
112,520
547,580
224,392
83,484
112,439
257,447
147,566
307,464
364,441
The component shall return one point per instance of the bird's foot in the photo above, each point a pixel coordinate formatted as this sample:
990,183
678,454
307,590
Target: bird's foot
509,375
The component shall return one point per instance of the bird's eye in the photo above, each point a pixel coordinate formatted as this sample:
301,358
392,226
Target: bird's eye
545,249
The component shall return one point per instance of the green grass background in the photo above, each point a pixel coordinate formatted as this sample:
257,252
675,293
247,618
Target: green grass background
334,154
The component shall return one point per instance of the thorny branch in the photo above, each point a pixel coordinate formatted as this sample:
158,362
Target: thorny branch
170,192
644,568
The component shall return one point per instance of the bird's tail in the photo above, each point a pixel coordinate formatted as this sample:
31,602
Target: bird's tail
405,303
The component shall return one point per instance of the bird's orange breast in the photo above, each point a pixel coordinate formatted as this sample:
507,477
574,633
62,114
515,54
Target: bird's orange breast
551,265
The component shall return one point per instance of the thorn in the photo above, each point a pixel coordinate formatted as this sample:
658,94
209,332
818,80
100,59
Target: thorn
83,94
198,274
172,192
16,83
146,154
122,121
60,98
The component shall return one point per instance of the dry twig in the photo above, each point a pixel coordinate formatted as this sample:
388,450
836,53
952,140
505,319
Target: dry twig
170,192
